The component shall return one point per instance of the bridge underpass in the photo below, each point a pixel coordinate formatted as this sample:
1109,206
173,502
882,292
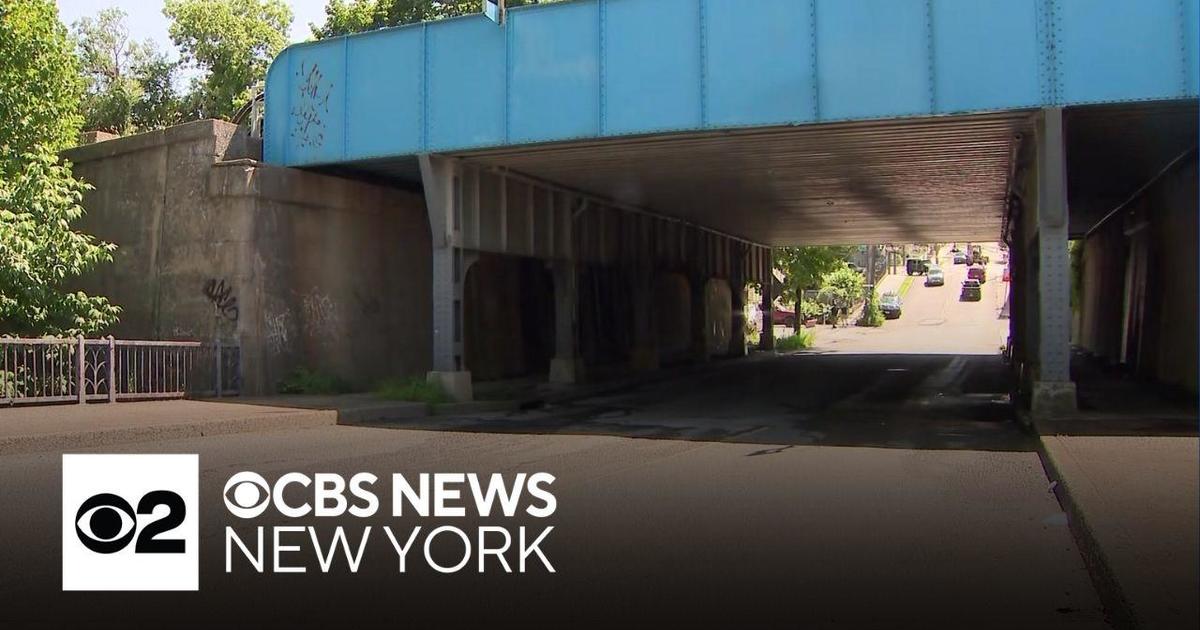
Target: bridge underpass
667,157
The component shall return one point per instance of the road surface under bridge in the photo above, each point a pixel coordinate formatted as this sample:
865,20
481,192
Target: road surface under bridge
642,148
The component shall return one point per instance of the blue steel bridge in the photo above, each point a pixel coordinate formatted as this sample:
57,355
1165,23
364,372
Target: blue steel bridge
697,134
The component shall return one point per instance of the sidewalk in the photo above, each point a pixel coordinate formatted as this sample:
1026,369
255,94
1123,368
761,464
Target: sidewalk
1134,508
890,283
28,429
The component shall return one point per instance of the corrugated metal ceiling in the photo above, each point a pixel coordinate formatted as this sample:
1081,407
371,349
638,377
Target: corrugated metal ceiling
915,180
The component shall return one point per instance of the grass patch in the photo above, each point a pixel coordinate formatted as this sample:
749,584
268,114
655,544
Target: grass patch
905,286
305,381
803,339
412,389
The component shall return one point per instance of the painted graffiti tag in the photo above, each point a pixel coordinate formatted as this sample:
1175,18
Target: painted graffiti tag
221,295
309,112
279,328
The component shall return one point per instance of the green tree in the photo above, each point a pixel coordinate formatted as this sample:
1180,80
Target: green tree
343,17
233,42
803,268
106,54
40,80
160,105
129,84
840,289
39,199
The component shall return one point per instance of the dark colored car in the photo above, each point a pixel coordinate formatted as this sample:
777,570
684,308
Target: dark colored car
891,305
916,266
977,272
971,291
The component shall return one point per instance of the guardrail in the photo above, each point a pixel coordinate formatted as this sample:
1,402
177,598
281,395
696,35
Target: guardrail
58,369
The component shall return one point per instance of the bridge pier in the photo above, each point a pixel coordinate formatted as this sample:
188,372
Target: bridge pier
567,365
442,204
607,253
737,300
1048,321
766,337
643,356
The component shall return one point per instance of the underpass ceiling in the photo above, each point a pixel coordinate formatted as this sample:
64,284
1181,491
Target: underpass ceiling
915,180
1114,150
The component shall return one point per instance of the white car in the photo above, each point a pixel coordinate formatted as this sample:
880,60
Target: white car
935,278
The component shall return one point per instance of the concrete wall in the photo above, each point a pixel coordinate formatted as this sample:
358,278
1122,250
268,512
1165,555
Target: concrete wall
1138,298
718,314
508,317
672,301
300,269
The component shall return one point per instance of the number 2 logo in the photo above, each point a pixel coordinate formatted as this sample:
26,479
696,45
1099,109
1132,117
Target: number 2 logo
106,523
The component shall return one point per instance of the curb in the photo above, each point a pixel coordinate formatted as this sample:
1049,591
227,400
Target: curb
417,411
1117,610
128,435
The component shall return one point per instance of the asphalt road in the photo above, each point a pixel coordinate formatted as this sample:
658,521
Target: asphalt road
833,488
931,379
934,320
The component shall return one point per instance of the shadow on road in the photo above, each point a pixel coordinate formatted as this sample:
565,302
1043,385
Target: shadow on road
906,401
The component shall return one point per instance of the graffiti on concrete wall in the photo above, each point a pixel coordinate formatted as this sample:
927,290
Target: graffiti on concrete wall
311,108
278,331
222,298
321,317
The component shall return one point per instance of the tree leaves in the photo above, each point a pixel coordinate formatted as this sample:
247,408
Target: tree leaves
803,267
128,84
343,17
233,41
39,198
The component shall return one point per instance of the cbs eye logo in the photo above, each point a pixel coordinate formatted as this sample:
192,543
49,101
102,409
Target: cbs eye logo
247,494
106,523
130,523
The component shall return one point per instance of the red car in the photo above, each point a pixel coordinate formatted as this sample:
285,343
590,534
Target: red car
783,317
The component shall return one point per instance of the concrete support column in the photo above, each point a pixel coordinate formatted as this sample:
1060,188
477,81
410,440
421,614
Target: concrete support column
644,354
567,365
737,300
439,176
698,283
1053,391
766,339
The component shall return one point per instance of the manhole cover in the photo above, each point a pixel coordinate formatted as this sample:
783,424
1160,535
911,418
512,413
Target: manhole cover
933,321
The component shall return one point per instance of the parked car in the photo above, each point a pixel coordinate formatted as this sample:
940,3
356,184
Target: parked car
935,278
916,266
977,272
960,258
971,291
1007,274
783,317
890,304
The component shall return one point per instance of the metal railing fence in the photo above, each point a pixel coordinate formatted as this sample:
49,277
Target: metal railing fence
58,369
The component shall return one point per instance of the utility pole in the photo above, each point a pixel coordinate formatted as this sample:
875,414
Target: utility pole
870,284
